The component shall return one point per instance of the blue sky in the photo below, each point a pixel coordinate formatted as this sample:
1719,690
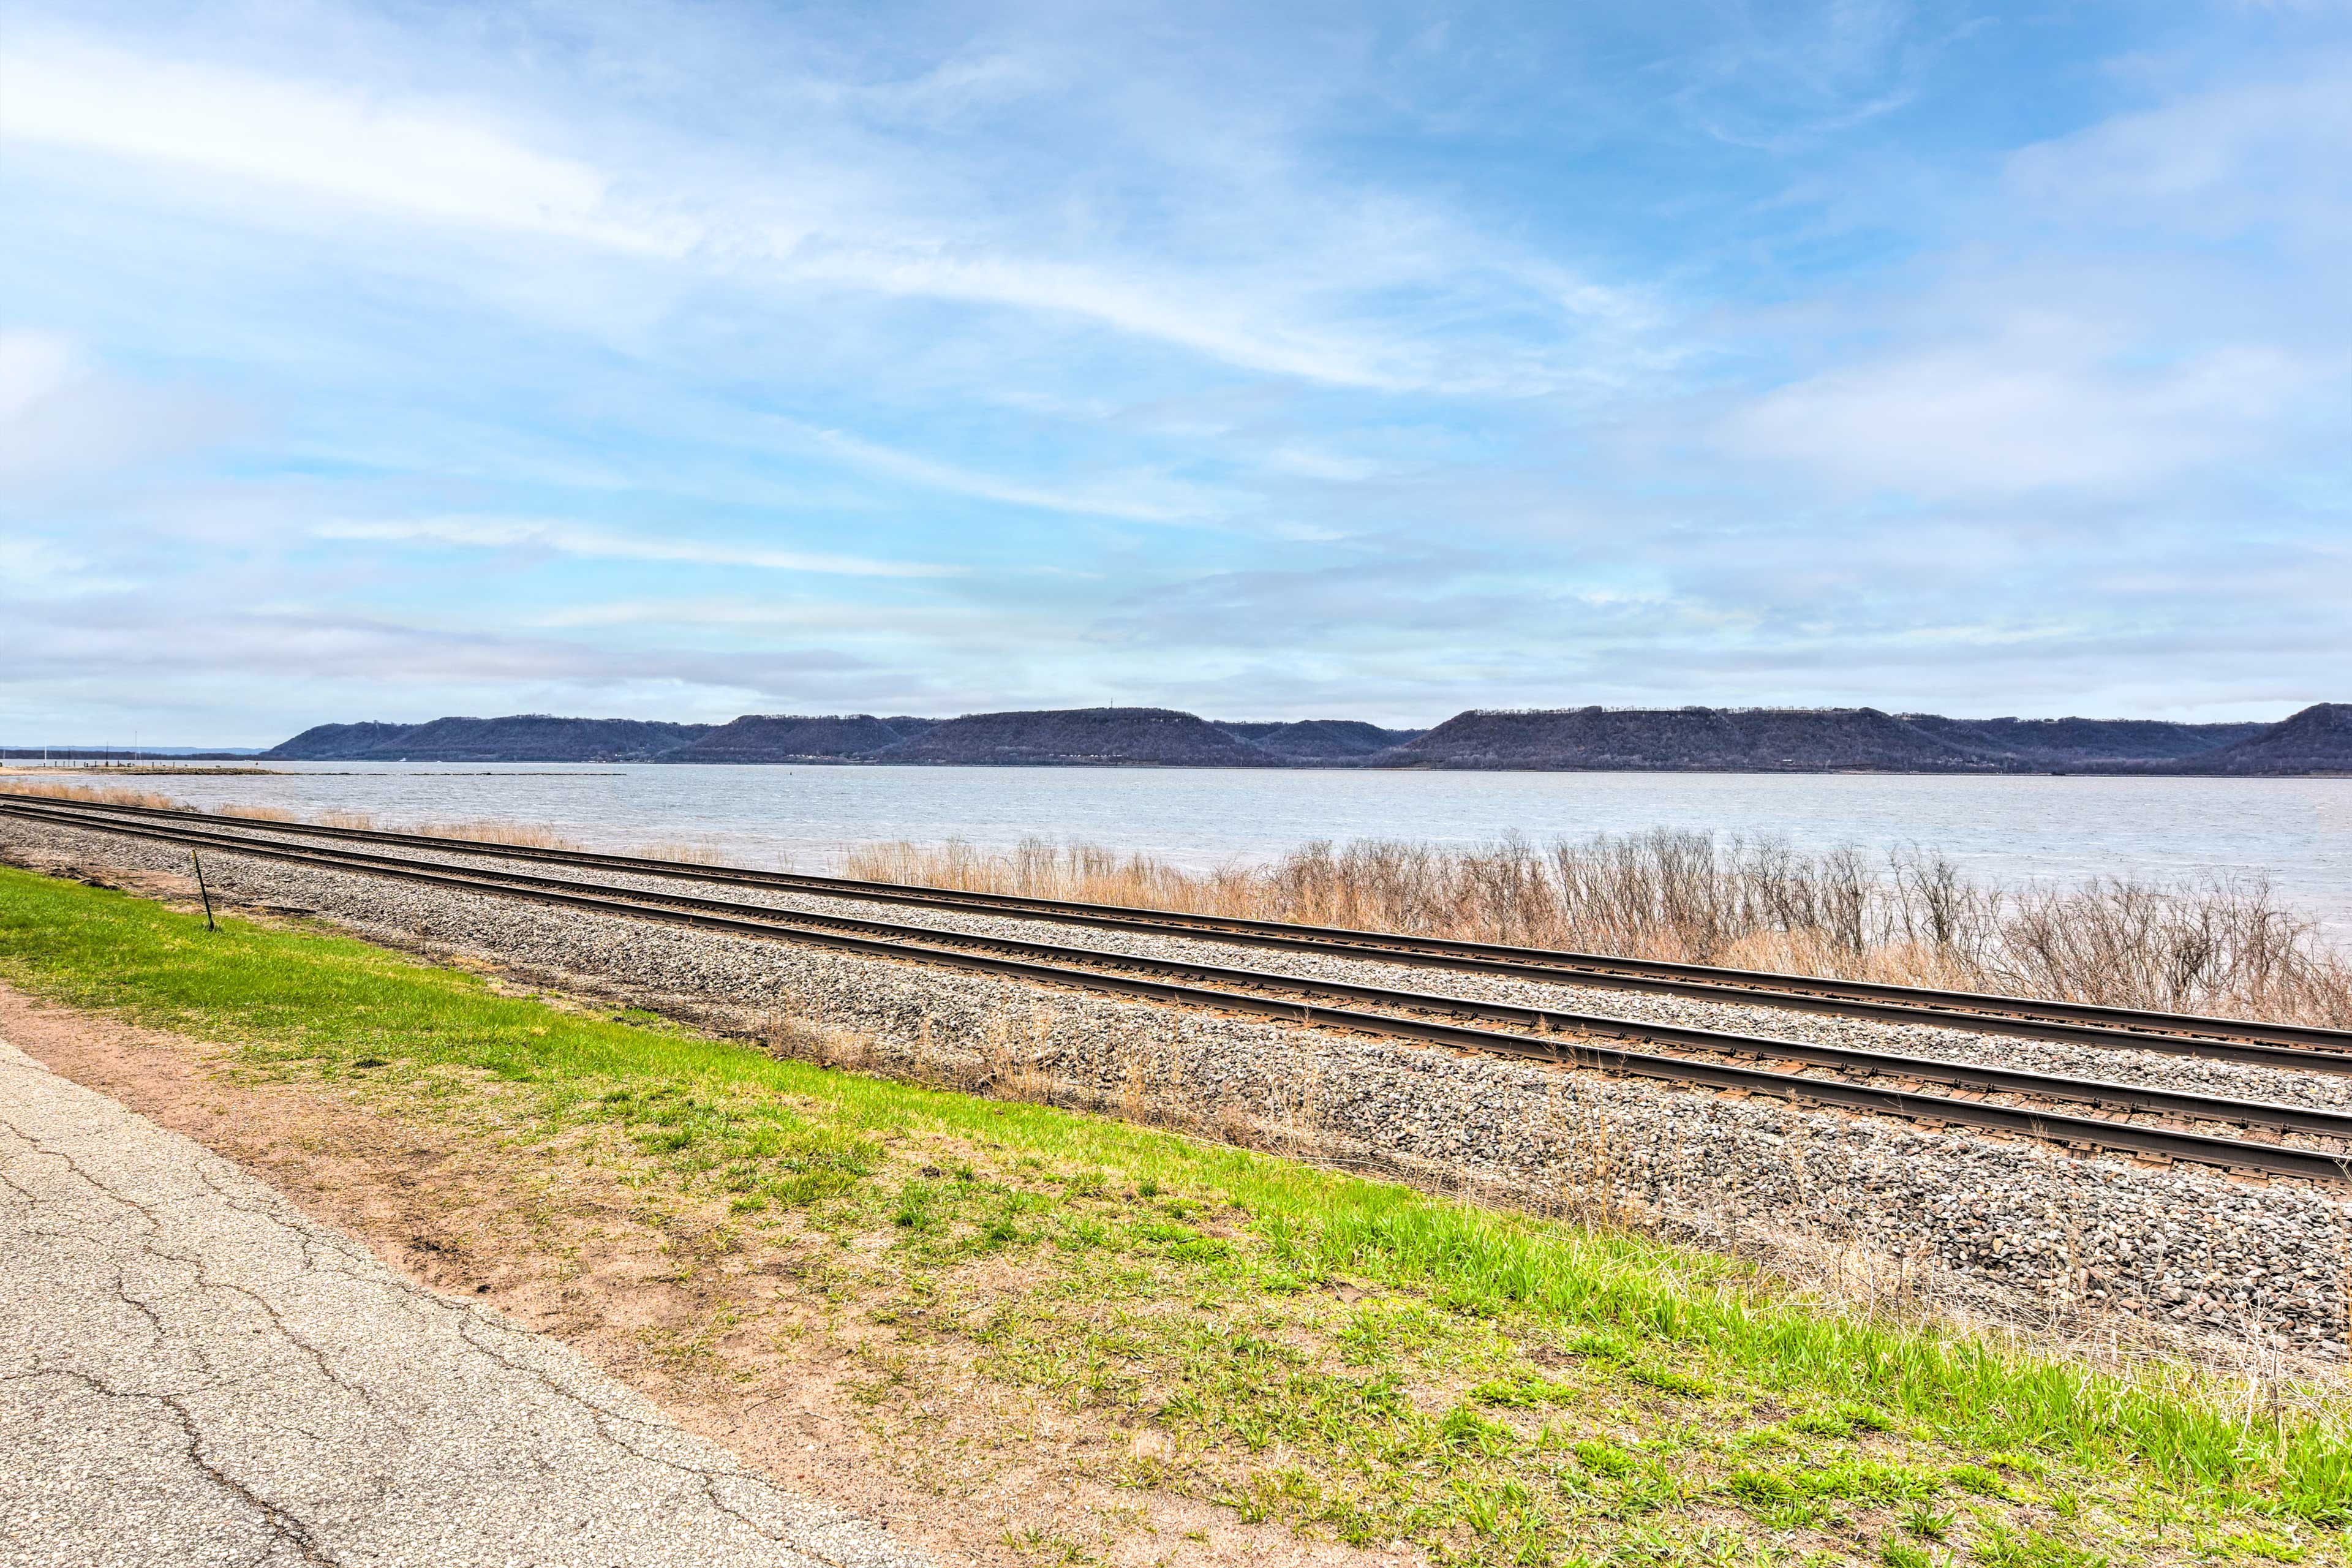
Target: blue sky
1356,361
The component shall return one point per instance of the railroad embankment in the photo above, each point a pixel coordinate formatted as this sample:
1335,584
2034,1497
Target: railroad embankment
2027,1230
1033,1335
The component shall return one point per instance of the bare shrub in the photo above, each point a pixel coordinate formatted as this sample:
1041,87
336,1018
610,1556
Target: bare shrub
2216,946
1043,867
2210,945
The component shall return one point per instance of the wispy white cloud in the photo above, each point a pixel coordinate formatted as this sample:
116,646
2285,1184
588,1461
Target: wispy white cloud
429,161
33,568
1779,78
1219,324
862,225
1142,497
917,626
34,367
2270,152
63,418
1312,462
2036,408
2155,297
574,538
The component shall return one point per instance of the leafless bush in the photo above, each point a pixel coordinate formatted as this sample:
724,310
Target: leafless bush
2214,945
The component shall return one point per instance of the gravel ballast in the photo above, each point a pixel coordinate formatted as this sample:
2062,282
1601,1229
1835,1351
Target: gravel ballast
2235,1081
2043,1231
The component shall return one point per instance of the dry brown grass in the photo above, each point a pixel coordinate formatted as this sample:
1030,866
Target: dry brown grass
2223,945
693,851
489,832
109,794
474,831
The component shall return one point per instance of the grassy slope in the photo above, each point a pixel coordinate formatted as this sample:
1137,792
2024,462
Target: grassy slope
1495,1388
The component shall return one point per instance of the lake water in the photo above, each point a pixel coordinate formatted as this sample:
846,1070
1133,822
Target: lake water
2297,832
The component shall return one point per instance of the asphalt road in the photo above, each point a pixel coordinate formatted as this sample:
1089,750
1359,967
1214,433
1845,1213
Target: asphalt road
191,1372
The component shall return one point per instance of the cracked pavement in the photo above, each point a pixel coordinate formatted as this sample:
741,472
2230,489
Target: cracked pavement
193,1372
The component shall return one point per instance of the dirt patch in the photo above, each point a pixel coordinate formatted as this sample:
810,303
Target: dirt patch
732,1331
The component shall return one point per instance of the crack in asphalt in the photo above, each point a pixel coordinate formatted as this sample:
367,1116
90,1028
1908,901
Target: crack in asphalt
468,1318
282,1524
224,1278
278,1520
34,1142
154,1245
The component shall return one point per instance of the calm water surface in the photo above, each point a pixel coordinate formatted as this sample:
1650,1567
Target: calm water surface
2297,832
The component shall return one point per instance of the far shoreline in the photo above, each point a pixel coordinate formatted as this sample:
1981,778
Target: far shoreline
358,767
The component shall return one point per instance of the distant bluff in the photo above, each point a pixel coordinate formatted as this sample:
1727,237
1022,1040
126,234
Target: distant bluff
517,737
1765,739
792,737
1330,739
2317,740
1082,737
2065,742
338,742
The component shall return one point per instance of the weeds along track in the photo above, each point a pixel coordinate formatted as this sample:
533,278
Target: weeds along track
2253,1042
2151,1122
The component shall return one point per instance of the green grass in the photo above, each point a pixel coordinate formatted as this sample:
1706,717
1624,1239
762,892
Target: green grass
1506,1391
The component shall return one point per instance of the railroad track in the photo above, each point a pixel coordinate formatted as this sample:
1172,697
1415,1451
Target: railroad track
2016,1101
2246,1041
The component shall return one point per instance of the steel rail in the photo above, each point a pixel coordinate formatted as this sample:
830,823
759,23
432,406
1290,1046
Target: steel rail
2254,1042
718,915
